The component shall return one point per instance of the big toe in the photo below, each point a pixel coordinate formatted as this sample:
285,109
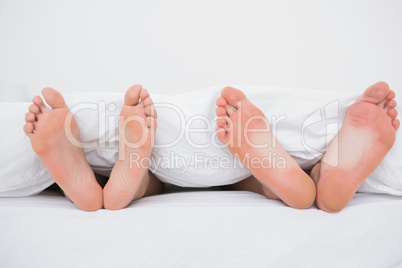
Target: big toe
379,93
53,98
233,96
132,96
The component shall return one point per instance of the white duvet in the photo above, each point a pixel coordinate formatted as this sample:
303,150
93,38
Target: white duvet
186,151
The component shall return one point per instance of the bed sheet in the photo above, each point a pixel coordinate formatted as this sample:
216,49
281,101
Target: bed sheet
202,228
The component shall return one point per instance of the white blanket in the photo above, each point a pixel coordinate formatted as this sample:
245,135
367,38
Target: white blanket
186,151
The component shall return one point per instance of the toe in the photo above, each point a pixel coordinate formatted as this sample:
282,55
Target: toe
144,94
229,110
376,93
28,129
233,96
222,135
220,111
148,101
39,102
53,98
221,121
390,105
389,97
151,122
150,111
30,117
33,108
392,113
132,95
221,102
395,124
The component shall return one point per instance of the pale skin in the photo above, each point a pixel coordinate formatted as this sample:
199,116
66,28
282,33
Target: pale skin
366,136
372,117
66,162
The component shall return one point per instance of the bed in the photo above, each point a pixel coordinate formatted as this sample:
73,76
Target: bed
200,228
195,227
178,47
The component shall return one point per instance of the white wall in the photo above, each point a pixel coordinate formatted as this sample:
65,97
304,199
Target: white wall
177,46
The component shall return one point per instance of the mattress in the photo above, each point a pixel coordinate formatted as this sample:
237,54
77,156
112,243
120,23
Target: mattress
200,228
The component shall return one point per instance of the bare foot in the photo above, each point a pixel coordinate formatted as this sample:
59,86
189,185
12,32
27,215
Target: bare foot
366,136
64,161
129,179
246,132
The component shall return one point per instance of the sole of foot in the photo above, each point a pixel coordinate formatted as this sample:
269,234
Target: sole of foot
246,132
137,125
54,137
366,136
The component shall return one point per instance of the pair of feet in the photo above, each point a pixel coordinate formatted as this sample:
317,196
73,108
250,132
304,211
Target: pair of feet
51,137
366,136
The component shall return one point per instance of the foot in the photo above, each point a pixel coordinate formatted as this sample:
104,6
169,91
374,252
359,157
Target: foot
246,132
59,147
366,136
137,125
